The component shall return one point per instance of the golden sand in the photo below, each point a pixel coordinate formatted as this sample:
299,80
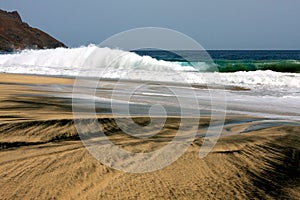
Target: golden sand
42,157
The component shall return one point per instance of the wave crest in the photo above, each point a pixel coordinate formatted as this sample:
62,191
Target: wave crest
62,61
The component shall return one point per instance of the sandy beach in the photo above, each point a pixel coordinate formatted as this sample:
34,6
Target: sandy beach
42,156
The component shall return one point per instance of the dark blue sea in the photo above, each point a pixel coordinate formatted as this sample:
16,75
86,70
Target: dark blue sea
232,60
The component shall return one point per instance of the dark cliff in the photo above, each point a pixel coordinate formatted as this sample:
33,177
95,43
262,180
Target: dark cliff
17,35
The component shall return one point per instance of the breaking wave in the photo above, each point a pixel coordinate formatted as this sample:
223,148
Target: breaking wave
62,61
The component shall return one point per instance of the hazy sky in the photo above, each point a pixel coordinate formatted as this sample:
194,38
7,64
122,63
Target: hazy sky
216,24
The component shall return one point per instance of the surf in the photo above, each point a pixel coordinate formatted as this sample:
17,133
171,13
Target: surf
117,63
63,61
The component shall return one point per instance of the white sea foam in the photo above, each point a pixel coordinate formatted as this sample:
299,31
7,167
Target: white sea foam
258,78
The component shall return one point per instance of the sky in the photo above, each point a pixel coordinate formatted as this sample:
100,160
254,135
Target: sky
215,24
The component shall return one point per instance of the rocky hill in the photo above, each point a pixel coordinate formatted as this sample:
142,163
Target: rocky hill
17,35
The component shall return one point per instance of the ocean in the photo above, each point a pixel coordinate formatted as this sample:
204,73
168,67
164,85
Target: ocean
248,69
235,60
256,83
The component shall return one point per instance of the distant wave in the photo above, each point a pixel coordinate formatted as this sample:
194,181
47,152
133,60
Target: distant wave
292,66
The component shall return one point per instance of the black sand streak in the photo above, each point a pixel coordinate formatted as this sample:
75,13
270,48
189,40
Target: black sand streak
283,168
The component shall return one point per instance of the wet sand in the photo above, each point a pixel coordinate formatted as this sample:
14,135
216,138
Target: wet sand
42,156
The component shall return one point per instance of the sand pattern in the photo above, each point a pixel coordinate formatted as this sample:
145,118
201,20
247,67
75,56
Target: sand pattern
42,156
